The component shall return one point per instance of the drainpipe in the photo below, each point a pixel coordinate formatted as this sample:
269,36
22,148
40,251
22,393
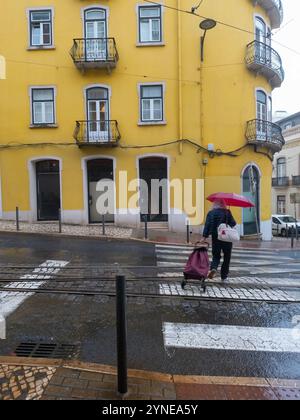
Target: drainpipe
179,41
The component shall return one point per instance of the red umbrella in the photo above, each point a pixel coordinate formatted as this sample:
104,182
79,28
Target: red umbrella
231,199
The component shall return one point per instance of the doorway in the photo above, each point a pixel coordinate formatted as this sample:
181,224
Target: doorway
154,204
48,190
97,170
251,190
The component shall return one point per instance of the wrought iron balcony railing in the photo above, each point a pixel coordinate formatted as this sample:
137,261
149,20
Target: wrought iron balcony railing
97,133
296,181
263,59
274,9
95,53
281,181
265,134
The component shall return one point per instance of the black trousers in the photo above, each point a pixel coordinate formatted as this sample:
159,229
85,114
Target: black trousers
217,248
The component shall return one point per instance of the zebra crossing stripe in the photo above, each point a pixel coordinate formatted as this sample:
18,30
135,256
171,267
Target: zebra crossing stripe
227,337
10,301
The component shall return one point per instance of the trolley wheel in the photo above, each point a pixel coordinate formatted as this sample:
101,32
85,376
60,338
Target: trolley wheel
183,284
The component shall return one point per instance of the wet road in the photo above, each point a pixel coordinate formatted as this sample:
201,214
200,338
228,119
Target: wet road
157,339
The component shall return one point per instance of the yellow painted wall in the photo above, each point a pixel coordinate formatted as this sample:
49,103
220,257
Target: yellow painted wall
218,95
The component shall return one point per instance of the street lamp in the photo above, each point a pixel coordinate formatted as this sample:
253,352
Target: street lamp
206,25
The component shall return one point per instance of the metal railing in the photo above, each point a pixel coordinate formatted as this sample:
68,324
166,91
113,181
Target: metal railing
265,133
281,181
93,50
104,132
296,181
260,54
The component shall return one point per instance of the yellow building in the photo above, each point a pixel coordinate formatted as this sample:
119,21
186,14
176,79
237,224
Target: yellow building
97,88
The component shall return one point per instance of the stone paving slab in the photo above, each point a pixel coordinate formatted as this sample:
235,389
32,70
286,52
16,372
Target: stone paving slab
24,379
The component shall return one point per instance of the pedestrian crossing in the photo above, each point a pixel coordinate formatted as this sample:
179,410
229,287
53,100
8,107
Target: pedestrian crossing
252,274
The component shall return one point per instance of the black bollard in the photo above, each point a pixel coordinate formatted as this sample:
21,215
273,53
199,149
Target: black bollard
17,219
103,224
121,334
146,227
188,231
292,237
59,221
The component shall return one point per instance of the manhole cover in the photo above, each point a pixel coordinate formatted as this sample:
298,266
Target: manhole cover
45,350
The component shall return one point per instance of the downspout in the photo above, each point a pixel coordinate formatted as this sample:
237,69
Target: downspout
179,41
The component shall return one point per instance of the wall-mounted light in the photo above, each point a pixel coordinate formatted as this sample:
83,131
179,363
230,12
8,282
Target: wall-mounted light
206,25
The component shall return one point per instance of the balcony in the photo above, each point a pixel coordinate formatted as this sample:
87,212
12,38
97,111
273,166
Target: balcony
281,182
263,59
296,181
95,53
97,133
274,9
265,134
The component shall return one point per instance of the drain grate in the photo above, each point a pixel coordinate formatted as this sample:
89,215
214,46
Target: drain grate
45,350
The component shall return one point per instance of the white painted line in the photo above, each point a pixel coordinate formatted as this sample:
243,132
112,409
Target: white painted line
227,337
234,254
254,263
241,250
10,301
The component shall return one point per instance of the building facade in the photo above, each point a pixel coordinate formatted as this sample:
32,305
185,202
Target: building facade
96,89
286,172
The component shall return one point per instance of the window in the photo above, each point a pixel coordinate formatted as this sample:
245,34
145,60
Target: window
150,25
41,28
42,106
281,204
151,103
281,167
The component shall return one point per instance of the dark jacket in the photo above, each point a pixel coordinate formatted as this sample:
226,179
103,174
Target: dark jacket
214,219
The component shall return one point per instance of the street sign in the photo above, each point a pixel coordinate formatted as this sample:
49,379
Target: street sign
2,68
295,198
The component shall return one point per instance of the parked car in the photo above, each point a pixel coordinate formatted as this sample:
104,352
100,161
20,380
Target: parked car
282,224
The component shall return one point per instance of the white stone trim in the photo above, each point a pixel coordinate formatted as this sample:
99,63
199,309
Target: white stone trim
30,89
40,47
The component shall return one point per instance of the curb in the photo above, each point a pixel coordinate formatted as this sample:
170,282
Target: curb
153,376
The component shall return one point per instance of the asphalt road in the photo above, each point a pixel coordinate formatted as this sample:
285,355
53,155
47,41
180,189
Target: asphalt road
89,321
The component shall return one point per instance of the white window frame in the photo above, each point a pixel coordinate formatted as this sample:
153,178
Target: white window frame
41,46
33,124
152,121
140,43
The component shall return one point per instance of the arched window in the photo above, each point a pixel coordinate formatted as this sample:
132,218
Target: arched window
98,114
281,167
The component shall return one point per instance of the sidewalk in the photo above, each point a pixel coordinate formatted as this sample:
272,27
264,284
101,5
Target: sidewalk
48,379
155,236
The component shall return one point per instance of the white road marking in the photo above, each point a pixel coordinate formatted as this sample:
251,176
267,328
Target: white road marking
258,256
233,260
241,250
227,337
10,301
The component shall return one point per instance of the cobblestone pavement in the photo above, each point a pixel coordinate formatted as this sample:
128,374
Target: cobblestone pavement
24,383
73,230
98,382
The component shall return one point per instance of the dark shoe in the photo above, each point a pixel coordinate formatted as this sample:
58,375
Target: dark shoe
212,274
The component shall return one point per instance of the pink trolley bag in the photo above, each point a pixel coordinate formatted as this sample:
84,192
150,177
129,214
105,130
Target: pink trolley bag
197,267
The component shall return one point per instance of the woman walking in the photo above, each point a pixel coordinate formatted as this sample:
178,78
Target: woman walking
218,215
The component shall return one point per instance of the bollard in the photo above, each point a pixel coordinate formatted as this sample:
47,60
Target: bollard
287,231
297,232
103,224
146,227
188,231
121,334
59,221
17,219
292,237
